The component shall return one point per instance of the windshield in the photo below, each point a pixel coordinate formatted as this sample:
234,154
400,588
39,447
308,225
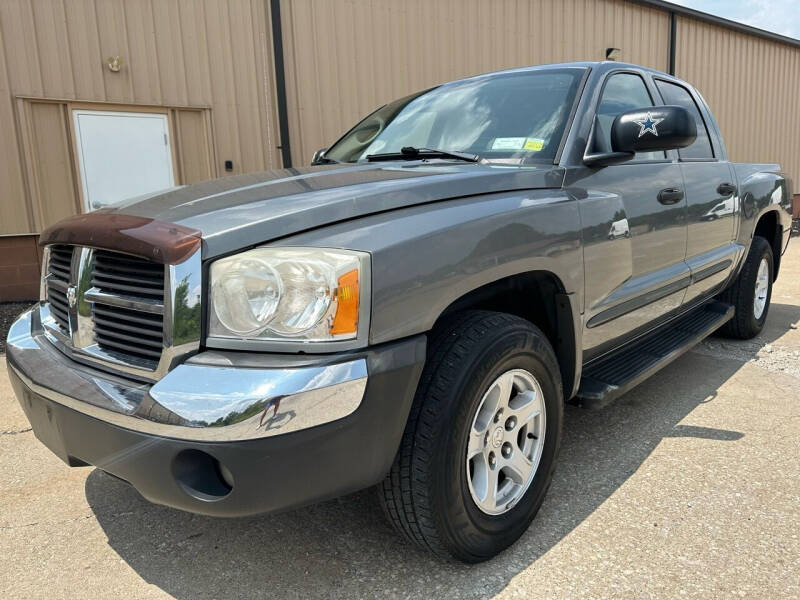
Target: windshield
511,118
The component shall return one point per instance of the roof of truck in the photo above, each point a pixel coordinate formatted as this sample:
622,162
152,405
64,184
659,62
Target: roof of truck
601,65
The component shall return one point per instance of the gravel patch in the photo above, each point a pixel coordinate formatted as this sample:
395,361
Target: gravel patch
772,357
9,311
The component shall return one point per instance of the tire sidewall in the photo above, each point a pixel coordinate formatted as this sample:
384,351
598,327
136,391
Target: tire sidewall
464,523
761,251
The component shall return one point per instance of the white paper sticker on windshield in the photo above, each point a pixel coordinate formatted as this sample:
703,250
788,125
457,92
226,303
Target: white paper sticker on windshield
508,143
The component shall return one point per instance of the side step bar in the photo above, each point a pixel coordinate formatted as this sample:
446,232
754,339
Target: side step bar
610,377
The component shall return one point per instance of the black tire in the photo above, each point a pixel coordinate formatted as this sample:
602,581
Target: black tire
426,494
744,324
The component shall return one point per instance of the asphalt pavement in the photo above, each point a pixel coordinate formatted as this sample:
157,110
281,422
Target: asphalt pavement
688,486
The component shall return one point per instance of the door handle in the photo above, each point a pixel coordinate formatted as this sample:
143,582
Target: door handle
726,189
670,196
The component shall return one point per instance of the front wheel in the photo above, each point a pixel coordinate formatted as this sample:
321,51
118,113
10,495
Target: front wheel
750,294
481,441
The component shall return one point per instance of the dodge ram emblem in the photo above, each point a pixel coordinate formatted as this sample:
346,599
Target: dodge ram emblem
72,296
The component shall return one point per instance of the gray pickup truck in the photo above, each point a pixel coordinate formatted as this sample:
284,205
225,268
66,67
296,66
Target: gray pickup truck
412,311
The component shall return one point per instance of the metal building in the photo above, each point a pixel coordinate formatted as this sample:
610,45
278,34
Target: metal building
105,99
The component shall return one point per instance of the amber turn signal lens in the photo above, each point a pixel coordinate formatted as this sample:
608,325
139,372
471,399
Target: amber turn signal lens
346,318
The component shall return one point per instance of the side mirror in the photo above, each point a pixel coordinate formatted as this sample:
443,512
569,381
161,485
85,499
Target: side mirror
643,130
655,128
318,156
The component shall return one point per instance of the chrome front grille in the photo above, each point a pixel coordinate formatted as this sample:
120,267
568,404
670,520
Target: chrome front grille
128,275
123,331
119,311
59,267
130,332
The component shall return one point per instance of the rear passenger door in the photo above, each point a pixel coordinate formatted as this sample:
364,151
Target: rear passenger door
712,199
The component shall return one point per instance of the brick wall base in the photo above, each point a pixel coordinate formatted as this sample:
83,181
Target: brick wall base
20,264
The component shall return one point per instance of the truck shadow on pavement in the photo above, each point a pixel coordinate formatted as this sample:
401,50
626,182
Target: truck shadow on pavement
345,549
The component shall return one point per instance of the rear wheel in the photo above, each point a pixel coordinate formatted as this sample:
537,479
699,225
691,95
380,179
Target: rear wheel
481,441
751,293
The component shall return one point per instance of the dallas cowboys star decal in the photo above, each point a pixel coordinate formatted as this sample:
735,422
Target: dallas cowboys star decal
647,124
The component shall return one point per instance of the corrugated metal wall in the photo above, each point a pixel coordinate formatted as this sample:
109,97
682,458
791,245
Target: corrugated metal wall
345,58
210,55
209,65
752,86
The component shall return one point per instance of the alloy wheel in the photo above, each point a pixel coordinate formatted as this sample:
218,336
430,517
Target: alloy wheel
505,441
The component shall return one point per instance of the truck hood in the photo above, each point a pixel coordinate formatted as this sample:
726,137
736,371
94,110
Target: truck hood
237,212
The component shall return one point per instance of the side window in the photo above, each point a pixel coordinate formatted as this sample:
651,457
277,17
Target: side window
680,96
623,91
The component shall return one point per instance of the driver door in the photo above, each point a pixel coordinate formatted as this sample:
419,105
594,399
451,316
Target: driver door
634,228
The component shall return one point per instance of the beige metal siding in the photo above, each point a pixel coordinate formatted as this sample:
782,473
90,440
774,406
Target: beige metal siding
53,186
752,85
345,58
194,152
176,54
14,207
208,64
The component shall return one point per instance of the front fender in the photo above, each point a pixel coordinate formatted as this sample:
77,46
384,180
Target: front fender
426,257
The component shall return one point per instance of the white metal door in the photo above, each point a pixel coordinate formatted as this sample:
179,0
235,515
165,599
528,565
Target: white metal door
122,155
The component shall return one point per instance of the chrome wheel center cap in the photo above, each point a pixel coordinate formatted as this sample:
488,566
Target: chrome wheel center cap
497,437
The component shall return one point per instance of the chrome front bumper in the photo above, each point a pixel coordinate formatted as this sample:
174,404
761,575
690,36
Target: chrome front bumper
213,397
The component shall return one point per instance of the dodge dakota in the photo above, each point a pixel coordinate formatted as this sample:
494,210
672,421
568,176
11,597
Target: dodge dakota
410,312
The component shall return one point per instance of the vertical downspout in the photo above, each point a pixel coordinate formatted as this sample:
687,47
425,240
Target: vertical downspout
673,35
280,83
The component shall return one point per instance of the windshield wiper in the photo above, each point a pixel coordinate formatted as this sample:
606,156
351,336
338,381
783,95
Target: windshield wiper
411,153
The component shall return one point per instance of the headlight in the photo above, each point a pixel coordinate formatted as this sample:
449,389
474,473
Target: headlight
303,294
